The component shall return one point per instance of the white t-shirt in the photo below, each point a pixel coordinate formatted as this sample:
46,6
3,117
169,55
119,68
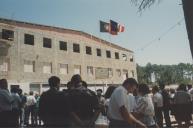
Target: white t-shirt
132,102
118,99
158,99
30,100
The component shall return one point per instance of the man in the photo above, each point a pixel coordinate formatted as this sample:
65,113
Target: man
100,97
166,104
158,104
84,104
53,105
119,108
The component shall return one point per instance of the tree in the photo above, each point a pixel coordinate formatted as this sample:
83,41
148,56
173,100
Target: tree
188,9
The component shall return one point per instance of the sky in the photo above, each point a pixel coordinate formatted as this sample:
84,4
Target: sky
150,34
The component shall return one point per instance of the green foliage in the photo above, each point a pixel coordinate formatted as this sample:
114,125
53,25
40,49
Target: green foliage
168,74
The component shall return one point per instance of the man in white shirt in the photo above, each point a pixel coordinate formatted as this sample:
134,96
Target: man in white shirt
158,104
119,108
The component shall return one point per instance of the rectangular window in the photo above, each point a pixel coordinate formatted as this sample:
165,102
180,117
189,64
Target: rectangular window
108,53
29,39
63,45
63,69
110,72
47,67
125,74
29,66
76,48
5,66
47,43
124,57
77,69
88,50
98,52
118,72
7,34
116,55
131,59
90,70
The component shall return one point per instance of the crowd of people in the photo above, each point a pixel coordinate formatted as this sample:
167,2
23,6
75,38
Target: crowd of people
130,105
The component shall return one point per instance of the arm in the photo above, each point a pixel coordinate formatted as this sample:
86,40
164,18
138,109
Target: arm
128,117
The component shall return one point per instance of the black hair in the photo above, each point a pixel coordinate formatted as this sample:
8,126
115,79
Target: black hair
76,80
130,81
84,84
161,85
3,84
155,88
144,89
182,87
53,81
109,91
99,90
189,86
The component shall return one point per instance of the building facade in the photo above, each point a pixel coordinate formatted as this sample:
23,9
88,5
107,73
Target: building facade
31,53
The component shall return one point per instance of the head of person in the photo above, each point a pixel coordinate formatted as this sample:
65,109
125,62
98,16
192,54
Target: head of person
20,91
143,89
14,90
69,85
172,91
130,84
84,84
182,87
155,89
109,91
3,84
99,92
189,86
31,93
76,81
162,86
54,82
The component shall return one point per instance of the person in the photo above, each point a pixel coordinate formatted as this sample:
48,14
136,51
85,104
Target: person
108,94
30,109
100,97
166,104
182,101
84,104
118,110
144,106
22,106
158,104
5,105
36,117
53,105
16,106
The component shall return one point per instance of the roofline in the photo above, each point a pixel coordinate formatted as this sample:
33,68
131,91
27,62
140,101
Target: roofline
60,30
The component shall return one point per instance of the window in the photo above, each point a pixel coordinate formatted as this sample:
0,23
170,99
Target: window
29,66
76,48
98,52
77,69
90,70
118,72
125,74
131,59
124,57
29,39
108,53
88,50
7,34
132,73
47,67
110,72
63,69
63,45
47,43
4,67
116,55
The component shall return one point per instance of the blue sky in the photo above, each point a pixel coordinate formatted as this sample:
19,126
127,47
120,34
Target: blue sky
140,29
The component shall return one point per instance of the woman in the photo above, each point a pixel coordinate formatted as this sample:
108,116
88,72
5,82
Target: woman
144,106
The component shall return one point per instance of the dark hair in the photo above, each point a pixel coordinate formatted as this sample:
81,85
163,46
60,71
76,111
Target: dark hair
76,80
69,85
99,90
109,91
20,91
144,89
155,88
189,86
31,93
3,84
161,85
53,81
130,81
84,84
182,87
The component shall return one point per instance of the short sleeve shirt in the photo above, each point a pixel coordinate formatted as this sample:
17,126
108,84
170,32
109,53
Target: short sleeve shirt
158,99
118,99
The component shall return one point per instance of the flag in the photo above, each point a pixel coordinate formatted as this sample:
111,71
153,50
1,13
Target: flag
113,27
104,27
121,28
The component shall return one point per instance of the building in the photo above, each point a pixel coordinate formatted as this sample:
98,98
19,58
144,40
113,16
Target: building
31,53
